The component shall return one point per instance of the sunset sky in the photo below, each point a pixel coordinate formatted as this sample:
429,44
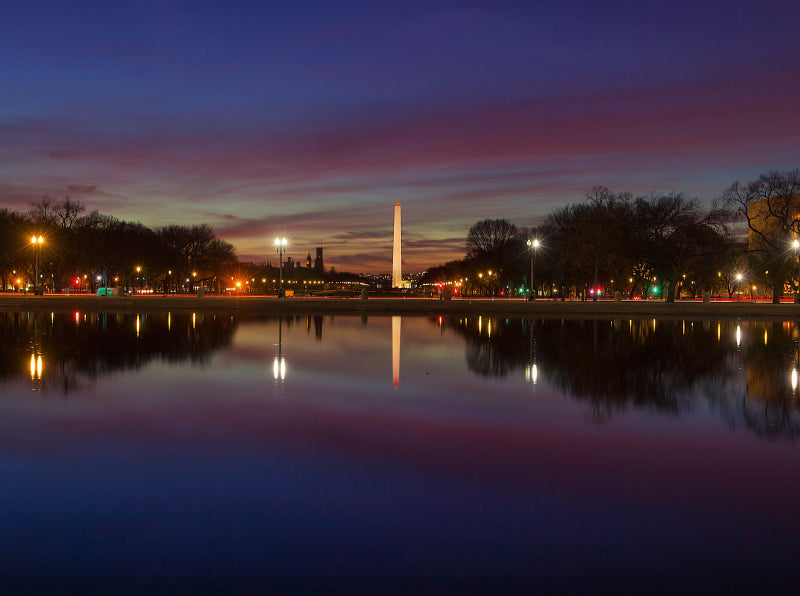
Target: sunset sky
310,119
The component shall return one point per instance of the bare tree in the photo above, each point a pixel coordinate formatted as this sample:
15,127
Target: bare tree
43,211
770,205
674,234
490,235
66,212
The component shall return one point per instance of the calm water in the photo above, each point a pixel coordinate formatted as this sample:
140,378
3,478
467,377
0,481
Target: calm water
142,452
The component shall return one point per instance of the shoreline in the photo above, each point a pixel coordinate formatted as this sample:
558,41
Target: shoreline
271,305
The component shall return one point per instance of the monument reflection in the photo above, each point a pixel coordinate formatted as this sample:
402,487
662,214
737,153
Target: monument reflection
745,372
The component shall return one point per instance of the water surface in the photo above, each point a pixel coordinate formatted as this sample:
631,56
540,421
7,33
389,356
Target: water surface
216,452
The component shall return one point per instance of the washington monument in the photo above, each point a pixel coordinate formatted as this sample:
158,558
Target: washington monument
397,274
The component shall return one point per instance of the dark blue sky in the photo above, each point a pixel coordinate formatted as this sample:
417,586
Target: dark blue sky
311,119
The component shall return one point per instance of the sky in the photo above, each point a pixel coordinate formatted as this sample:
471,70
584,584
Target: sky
309,120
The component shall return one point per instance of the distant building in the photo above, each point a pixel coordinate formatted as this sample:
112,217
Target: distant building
319,266
308,261
769,221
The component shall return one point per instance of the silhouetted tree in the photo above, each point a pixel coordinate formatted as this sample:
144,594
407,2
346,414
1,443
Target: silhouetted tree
673,233
770,205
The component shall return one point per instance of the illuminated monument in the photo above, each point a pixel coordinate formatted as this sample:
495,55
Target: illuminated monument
397,275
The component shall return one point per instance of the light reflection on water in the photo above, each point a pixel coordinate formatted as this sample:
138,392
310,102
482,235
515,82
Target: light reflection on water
668,366
457,448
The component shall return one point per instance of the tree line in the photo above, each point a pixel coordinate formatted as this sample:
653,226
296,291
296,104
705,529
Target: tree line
81,247
662,245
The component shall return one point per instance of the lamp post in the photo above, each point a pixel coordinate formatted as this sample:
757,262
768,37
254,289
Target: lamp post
138,279
36,242
532,245
280,246
738,287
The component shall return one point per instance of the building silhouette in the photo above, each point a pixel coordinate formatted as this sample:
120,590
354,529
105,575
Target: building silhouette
319,266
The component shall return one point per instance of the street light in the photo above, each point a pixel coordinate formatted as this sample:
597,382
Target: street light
280,246
533,245
138,279
738,287
36,242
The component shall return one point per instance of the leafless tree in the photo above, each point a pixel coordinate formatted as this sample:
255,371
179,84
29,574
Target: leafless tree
490,235
770,205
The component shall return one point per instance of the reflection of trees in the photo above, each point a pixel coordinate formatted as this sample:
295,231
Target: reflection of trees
95,344
494,349
671,366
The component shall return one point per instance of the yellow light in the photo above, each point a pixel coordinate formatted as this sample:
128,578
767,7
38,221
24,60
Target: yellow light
279,368
33,366
39,367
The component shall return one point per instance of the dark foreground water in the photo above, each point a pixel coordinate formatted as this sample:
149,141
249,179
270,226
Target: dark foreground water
196,453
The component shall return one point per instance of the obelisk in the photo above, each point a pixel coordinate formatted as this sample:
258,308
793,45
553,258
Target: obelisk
397,274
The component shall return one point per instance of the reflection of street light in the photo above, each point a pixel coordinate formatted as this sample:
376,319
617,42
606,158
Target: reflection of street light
36,242
280,246
279,363
533,245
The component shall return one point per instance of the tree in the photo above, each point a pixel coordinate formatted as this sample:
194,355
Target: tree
13,243
219,259
55,218
674,233
770,205
592,239
490,236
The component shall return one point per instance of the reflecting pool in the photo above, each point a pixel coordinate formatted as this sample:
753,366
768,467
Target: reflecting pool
215,452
